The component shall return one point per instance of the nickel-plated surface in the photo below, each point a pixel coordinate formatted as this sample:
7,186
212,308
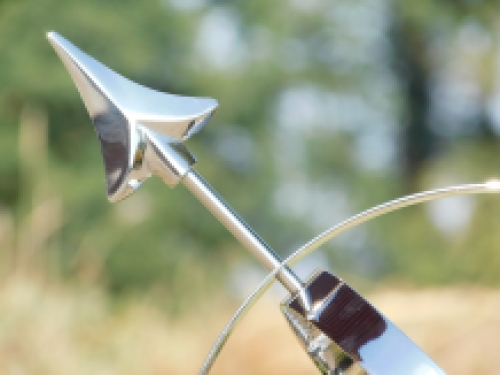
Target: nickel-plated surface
362,333
327,356
358,219
141,133
140,130
245,235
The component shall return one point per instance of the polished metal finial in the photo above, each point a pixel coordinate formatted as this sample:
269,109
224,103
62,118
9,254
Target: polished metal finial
141,133
141,130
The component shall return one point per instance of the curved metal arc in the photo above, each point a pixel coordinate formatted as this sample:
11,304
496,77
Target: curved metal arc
364,216
489,187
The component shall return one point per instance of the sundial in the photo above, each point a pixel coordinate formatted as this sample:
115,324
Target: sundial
142,131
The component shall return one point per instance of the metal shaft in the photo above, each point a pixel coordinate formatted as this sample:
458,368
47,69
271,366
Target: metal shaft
135,146
247,237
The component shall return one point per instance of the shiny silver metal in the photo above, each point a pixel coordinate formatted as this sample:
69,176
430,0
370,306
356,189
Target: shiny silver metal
245,235
141,130
328,357
141,133
489,187
358,336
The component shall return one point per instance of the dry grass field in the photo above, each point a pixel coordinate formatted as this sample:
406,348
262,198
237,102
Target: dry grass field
52,330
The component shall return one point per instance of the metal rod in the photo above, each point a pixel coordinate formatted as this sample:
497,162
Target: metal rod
241,230
488,187
133,150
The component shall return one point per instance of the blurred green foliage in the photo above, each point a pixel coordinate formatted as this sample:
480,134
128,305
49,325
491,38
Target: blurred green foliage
326,108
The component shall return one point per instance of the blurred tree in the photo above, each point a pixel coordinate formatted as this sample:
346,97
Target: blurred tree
326,108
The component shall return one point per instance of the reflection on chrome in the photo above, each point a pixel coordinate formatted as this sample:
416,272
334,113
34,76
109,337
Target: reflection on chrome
480,188
328,357
141,132
132,120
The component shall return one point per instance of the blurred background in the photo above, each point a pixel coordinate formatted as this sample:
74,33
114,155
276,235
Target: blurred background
326,109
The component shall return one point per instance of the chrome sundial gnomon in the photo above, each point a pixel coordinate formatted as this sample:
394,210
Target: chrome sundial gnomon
142,132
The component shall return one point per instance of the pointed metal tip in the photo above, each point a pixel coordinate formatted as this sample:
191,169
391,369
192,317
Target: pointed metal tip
51,35
61,45
54,39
